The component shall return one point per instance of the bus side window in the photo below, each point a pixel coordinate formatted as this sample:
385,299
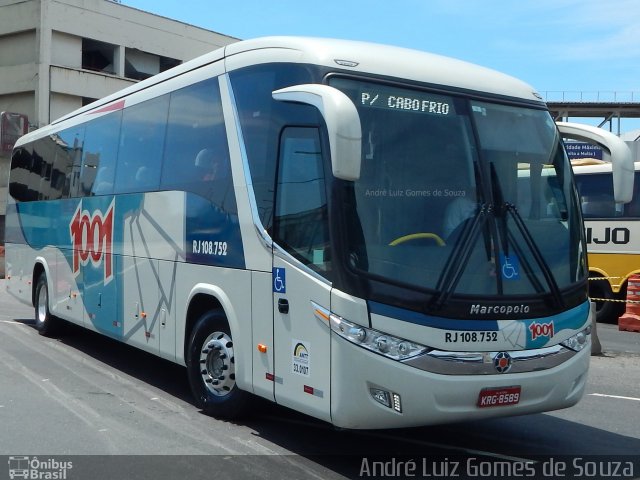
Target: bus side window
632,209
141,145
21,165
42,167
100,154
301,220
70,143
262,119
196,156
596,195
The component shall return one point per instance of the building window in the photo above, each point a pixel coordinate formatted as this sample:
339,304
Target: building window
98,56
139,65
87,101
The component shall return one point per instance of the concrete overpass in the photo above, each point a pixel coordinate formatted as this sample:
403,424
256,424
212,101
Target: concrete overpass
609,106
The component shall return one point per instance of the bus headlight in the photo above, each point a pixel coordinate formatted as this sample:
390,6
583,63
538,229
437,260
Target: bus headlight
375,341
578,341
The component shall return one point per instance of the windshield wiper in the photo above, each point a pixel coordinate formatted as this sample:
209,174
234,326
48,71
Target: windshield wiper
526,266
507,207
456,263
537,254
500,211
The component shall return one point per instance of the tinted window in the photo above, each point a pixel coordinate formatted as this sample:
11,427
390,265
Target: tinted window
61,171
44,169
68,159
20,187
301,223
141,146
196,157
597,200
100,154
632,209
596,195
262,118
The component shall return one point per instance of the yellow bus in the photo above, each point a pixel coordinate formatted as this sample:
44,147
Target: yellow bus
613,236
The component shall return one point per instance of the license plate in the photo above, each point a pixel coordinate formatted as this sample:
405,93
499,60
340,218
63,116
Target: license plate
499,397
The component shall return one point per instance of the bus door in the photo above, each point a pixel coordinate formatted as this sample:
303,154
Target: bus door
300,267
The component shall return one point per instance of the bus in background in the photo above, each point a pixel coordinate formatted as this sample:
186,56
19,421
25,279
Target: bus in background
613,236
335,226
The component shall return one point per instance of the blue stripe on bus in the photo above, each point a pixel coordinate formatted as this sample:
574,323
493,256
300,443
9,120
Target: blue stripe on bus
58,223
212,234
431,321
572,319
211,237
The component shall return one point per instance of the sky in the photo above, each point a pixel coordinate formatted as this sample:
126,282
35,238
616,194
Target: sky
557,46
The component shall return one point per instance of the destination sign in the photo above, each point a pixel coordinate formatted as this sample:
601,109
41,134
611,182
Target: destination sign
371,95
577,150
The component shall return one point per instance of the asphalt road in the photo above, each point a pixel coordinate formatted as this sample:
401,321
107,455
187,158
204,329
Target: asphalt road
83,394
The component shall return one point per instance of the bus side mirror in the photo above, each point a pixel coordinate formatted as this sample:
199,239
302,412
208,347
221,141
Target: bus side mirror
343,124
619,152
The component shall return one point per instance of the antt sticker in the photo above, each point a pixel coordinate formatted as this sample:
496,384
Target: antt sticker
92,239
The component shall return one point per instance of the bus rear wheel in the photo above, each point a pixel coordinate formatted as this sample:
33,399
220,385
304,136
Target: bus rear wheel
607,308
211,368
46,324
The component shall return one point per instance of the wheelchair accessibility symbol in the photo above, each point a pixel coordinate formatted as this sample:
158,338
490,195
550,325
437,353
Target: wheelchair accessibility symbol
279,280
510,267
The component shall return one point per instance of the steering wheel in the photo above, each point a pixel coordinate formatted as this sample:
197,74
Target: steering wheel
417,236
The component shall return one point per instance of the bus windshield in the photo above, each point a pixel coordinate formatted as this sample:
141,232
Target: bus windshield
460,196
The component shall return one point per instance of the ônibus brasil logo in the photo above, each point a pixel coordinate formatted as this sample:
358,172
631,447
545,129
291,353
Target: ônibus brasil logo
92,239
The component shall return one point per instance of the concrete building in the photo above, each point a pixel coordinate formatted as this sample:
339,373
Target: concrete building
58,55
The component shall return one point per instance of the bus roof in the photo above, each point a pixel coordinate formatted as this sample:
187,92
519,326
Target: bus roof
396,62
343,55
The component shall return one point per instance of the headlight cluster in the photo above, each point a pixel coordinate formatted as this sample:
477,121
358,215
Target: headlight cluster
578,341
378,342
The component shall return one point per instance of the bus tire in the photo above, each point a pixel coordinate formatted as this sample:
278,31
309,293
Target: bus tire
46,324
211,368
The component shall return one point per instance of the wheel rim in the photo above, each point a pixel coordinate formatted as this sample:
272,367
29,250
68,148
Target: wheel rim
42,304
217,364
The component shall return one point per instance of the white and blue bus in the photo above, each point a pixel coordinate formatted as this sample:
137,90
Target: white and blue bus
334,226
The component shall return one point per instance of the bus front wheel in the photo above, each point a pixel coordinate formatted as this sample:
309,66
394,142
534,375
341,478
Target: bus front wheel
211,368
46,324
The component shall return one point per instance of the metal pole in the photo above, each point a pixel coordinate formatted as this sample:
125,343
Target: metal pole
596,346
